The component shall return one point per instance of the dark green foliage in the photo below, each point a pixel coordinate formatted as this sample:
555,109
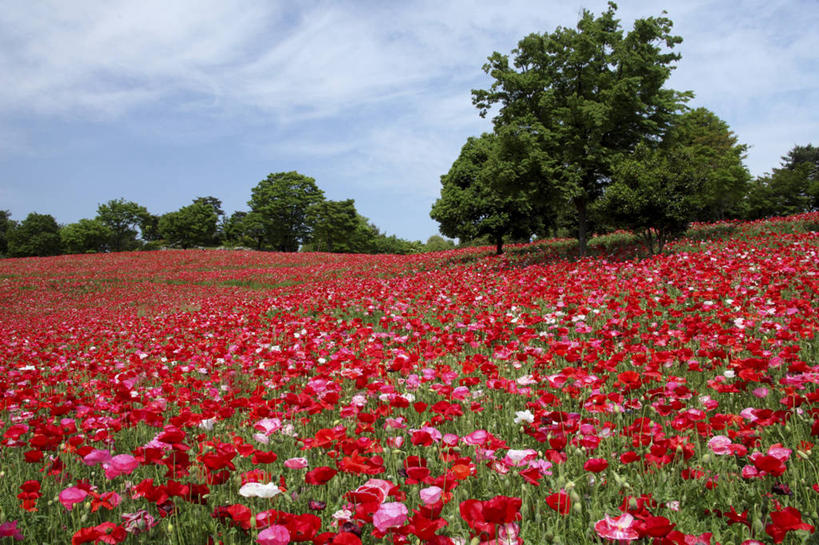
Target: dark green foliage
244,229
85,236
192,225
281,202
37,235
333,227
791,189
149,226
471,206
716,158
6,225
655,193
583,97
437,243
213,202
803,155
122,218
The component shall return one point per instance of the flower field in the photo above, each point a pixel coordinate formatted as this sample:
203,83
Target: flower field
194,397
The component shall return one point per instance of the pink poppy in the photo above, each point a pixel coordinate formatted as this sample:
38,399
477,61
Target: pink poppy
477,437
431,495
71,496
96,456
9,529
618,529
720,445
274,535
296,463
119,465
390,515
519,457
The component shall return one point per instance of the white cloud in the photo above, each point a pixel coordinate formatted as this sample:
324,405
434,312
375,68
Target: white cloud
377,92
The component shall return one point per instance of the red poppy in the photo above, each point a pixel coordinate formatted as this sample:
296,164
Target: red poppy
485,516
560,502
595,465
320,475
237,514
784,521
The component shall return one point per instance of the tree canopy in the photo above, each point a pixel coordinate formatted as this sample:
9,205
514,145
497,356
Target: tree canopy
6,225
333,226
470,206
37,235
585,96
192,225
86,235
715,158
792,188
655,193
123,218
281,202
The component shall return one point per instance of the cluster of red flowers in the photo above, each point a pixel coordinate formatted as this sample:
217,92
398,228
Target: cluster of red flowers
435,398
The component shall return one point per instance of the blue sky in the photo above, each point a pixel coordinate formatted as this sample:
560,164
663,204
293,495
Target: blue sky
162,101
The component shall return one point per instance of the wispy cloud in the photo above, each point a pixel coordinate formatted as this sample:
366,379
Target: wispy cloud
374,94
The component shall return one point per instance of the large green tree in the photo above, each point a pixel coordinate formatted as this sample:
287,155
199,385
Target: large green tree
655,193
471,205
192,225
86,235
803,161
37,235
715,158
123,218
333,226
793,188
585,96
281,201
6,225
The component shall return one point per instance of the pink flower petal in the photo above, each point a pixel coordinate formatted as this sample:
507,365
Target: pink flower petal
96,456
274,535
72,495
431,495
390,515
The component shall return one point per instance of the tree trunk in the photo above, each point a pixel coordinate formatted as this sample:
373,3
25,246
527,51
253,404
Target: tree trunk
649,241
498,244
582,223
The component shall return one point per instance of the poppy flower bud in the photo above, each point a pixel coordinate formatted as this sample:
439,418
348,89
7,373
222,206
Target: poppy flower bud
574,496
577,508
802,454
706,458
475,541
632,503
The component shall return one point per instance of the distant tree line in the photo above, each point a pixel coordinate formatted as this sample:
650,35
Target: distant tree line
586,139
288,212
